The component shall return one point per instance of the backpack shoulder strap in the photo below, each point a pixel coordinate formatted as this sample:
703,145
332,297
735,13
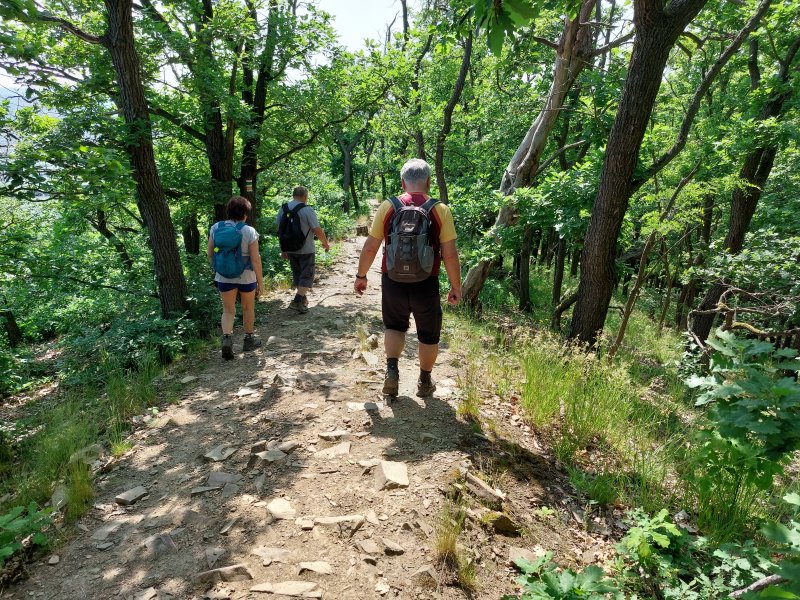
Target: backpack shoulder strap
396,203
429,204
297,208
240,226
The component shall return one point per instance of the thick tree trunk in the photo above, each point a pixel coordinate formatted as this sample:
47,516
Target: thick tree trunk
13,332
572,55
657,30
575,261
191,235
447,120
119,41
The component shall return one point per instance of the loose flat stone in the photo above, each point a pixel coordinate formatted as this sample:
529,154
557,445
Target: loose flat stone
220,478
101,533
369,464
372,518
254,383
238,572
427,437
501,523
342,449
425,575
391,475
369,547
269,555
226,528
332,436
259,446
188,379
148,594
288,446
132,496
515,554
54,560
158,545
246,391
305,524
230,490
267,456
220,453
204,488
392,548
104,545
317,566
280,508
483,490
347,524
296,589
368,406
213,555
370,358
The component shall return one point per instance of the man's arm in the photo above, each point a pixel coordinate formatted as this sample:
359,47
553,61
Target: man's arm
322,238
453,267
368,253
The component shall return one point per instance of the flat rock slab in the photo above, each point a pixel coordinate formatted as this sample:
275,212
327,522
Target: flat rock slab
220,478
515,554
305,524
267,456
332,436
158,545
269,555
369,547
280,508
246,391
347,524
203,489
220,453
149,594
101,533
342,449
391,475
392,548
132,496
294,589
238,572
213,555
317,566
188,379
367,406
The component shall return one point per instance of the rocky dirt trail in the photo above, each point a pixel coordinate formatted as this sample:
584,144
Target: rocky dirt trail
285,474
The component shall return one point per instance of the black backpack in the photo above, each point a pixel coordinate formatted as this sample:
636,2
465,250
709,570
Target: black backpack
409,249
290,230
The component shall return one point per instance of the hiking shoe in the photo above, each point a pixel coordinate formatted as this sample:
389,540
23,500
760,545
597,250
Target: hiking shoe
425,389
298,306
251,342
391,383
227,347
305,302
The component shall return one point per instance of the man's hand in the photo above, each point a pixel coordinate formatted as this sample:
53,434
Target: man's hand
360,286
326,246
454,296
285,255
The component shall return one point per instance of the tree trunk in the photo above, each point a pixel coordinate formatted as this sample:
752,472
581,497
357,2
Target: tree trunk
525,270
572,55
448,119
558,274
13,332
574,261
119,41
753,175
101,226
657,30
191,234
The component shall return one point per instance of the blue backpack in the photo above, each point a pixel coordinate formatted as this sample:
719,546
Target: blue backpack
228,259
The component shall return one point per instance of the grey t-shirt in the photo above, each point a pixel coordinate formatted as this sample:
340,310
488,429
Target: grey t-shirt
308,221
249,235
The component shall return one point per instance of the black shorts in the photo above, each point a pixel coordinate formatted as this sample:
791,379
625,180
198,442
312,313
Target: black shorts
302,269
400,300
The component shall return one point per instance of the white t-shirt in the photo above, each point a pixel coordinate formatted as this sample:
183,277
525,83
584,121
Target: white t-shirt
249,235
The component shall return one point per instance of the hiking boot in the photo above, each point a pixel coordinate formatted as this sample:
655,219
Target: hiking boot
391,383
425,389
251,342
305,302
227,347
298,306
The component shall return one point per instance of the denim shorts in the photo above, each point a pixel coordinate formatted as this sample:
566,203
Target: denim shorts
242,287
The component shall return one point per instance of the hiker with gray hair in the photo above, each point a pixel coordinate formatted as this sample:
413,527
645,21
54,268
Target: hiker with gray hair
418,233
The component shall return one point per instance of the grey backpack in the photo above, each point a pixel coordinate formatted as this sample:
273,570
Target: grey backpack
409,249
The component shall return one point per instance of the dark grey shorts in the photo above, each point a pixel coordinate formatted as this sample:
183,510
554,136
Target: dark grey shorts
302,269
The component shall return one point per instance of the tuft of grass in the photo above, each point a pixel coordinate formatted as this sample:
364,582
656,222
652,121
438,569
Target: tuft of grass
79,490
446,551
602,489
